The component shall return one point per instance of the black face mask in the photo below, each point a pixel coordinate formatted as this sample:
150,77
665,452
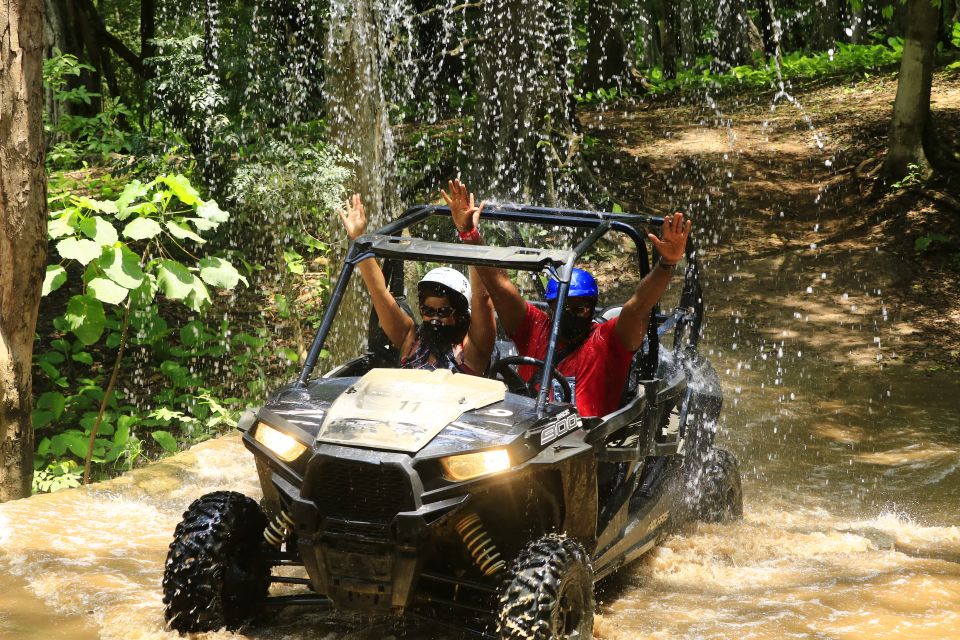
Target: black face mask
574,328
439,337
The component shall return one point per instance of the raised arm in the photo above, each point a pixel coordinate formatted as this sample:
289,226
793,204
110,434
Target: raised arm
483,328
632,324
507,300
398,326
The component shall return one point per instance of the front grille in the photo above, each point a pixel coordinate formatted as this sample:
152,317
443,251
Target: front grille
352,490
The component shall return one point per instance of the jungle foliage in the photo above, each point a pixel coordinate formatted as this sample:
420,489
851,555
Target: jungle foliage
164,314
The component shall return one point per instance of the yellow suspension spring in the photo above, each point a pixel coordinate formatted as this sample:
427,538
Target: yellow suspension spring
279,530
479,544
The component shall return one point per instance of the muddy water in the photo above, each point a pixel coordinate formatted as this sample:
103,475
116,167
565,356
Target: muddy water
850,462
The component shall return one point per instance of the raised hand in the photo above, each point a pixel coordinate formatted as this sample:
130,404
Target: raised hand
353,216
465,214
674,239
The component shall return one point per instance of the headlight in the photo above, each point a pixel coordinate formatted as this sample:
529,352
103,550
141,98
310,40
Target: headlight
472,465
286,447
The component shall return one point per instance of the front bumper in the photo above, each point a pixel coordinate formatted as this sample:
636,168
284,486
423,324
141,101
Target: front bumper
361,526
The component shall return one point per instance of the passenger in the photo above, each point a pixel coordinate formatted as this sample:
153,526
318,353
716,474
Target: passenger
447,339
596,358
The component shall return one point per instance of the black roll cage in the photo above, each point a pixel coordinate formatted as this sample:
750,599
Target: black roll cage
386,242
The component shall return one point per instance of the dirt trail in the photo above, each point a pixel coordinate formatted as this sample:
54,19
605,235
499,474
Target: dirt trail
789,184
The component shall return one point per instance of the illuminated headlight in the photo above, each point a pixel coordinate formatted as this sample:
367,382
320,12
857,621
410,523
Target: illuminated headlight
286,448
472,465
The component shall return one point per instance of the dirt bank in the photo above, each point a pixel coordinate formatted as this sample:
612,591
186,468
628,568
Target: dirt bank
790,181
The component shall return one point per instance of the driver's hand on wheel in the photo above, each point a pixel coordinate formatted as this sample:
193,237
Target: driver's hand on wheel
353,216
673,241
466,216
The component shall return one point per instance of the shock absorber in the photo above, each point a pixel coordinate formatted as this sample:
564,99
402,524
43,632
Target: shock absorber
479,544
279,529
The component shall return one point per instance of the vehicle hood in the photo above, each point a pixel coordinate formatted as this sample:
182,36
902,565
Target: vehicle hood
404,409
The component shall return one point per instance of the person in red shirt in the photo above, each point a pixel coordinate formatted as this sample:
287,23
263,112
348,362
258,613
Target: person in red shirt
595,356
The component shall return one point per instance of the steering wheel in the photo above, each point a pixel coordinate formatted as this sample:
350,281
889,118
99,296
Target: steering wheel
502,371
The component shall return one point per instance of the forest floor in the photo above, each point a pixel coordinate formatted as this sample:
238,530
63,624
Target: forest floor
792,182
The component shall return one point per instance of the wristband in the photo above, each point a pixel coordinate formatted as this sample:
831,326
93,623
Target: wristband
666,265
469,236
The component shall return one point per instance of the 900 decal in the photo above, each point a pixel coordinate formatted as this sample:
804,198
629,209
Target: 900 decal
564,423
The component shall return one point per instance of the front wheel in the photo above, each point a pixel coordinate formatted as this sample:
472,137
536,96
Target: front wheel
216,575
720,496
548,593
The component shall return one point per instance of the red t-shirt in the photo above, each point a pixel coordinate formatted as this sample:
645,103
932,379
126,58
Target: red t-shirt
597,369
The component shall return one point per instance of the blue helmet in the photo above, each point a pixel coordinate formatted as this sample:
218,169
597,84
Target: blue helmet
581,284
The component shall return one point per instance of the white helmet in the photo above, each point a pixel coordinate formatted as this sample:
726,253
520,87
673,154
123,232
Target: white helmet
448,279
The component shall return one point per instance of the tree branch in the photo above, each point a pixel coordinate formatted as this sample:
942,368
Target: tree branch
459,7
107,393
113,42
456,52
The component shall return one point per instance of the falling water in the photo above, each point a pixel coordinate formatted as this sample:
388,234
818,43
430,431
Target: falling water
851,471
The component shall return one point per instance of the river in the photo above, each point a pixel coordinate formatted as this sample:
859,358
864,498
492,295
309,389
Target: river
850,466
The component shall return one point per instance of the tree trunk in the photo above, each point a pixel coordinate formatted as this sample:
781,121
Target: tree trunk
689,26
768,28
607,64
898,23
737,36
827,29
359,123
23,233
950,13
858,23
649,38
911,136
665,41
148,29
524,124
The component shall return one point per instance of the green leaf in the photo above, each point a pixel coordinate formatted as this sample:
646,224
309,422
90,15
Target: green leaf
165,440
193,334
180,232
141,229
99,230
122,434
41,418
122,266
83,357
175,280
100,206
82,250
132,191
294,262
181,188
53,402
217,272
283,307
90,419
211,211
54,279
53,357
85,318
49,369
199,297
107,291
77,443
144,294
202,224
62,224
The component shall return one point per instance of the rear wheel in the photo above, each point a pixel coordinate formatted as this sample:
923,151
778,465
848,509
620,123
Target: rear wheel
720,497
548,592
216,574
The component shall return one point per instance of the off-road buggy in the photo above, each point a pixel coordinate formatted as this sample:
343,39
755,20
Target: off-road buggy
483,502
